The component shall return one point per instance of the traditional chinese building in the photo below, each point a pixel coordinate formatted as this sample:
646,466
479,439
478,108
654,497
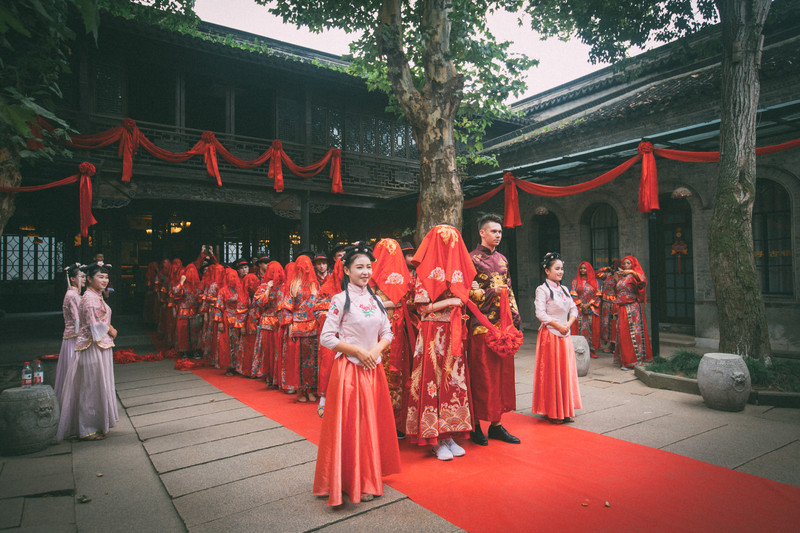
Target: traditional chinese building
248,91
671,98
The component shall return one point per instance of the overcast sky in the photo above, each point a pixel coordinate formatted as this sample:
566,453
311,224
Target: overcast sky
559,62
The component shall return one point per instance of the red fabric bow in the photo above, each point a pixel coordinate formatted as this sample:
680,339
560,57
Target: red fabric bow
506,340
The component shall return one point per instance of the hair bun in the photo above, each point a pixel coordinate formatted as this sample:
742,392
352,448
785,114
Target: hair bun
358,247
550,256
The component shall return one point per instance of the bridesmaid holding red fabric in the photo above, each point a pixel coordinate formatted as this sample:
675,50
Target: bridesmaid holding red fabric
587,296
555,374
633,342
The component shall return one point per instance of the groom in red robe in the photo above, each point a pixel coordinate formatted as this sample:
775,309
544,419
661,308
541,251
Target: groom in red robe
491,377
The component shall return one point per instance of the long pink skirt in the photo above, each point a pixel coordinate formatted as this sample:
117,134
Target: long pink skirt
65,357
89,401
358,443
555,377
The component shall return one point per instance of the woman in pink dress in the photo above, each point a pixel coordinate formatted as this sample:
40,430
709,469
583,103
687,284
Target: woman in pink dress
555,375
358,444
89,402
70,308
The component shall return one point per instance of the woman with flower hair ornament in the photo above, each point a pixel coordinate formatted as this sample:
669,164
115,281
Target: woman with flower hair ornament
439,405
357,442
555,374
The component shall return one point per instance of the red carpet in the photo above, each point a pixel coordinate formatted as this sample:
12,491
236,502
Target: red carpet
559,479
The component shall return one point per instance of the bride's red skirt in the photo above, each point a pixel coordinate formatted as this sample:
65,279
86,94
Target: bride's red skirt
358,443
555,377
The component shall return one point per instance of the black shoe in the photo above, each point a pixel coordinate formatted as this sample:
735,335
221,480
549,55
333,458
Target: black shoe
477,436
400,435
499,432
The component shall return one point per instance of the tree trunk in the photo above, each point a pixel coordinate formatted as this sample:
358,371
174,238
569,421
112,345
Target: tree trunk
742,317
431,110
9,177
441,200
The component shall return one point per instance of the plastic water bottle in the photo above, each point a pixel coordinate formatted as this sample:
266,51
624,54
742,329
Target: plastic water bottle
27,375
38,373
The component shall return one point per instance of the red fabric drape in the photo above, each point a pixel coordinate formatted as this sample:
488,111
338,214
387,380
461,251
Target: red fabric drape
648,183
86,171
131,139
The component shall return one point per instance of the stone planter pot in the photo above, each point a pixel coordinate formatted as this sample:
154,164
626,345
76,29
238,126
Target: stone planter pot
28,419
582,354
724,381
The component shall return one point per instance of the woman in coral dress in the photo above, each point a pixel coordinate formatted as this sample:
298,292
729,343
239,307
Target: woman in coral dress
555,374
358,444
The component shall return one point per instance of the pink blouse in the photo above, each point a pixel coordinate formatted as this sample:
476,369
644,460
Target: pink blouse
95,322
71,310
558,308
364,324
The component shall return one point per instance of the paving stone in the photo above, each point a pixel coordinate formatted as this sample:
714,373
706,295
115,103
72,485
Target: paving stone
153,381
181,413
173,404
155,389
781,465
402,515
208,434
42,475
41,512
200,390
216,473
213,419
233,498
664,430
144,370
732,446
129,496
220,449
297,513
11,512
56,448
606,420
597,384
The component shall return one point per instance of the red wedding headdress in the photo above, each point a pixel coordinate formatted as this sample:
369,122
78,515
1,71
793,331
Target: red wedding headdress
389,271
192,278
443,262
275,274
591,278
636,267
333,283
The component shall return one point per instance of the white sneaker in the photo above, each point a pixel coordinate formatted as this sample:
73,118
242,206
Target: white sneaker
442,452
454,448
625,368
